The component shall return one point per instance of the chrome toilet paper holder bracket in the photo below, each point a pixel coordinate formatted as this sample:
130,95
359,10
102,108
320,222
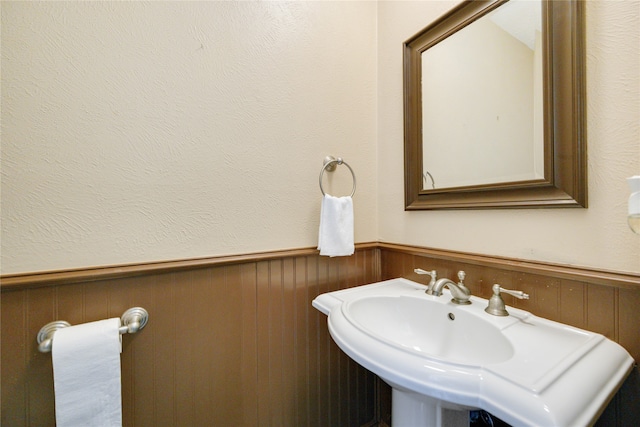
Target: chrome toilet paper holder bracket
132,320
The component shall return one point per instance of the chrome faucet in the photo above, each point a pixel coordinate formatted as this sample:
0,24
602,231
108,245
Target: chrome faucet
459,291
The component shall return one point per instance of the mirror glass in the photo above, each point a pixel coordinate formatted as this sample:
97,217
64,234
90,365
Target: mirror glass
494,107
482,101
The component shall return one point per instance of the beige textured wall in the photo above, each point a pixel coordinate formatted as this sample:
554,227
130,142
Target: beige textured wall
595,237
136,132
147,131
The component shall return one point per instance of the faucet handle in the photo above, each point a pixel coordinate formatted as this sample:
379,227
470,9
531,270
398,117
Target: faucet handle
518,294
496,303
461,276
433,275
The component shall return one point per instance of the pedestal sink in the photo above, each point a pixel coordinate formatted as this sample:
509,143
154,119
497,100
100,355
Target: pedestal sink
443,359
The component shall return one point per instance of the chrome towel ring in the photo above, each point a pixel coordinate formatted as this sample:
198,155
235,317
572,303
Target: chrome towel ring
330,164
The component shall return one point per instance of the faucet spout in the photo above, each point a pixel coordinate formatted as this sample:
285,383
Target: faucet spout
460,293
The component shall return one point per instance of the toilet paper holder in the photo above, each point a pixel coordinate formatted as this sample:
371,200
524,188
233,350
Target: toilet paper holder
132,320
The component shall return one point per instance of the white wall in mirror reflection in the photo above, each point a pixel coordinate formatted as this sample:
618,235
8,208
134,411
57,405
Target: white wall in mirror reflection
482,101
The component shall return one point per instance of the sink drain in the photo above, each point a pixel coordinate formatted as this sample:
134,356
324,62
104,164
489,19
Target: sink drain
451,316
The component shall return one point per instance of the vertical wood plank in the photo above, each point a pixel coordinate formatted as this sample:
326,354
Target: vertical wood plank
547,296
352,278
207,376
217,349
393,265
13,328
359,268
373,266
302,304
344,389
324,342
572,303
601,311
70,303
164,357
120,296
40,306
143,354
185,335
225,400
289,329
334,395
629,321
95,302
276,332
355,398
316,324
247,277
345,271
263,311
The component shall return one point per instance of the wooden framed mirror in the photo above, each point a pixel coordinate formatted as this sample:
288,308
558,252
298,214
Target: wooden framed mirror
559,177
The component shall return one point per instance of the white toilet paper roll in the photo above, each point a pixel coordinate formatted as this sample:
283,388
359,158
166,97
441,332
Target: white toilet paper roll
86,373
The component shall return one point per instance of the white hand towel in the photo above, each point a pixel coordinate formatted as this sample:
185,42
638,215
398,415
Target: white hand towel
335,236
86,374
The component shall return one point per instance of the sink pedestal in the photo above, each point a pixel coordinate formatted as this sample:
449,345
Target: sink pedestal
410,409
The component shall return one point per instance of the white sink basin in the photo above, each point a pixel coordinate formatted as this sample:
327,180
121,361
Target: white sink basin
524,369
430,329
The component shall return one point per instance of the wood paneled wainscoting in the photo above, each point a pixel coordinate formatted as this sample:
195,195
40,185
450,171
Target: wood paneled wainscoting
234,341
231,341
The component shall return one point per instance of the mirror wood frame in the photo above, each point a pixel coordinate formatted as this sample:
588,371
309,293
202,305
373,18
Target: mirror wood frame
565,151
